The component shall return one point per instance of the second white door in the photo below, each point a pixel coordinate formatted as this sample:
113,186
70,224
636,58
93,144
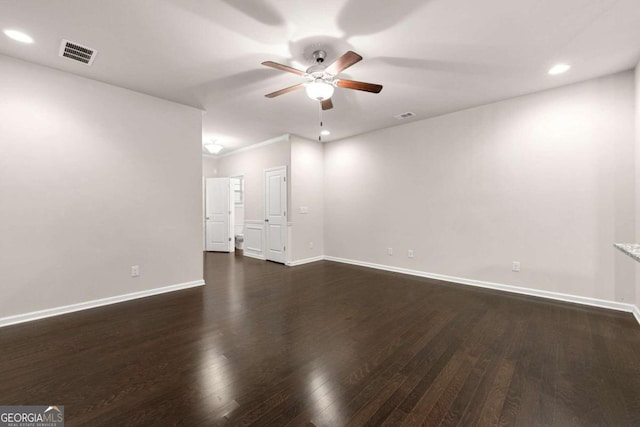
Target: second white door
219,215
275,213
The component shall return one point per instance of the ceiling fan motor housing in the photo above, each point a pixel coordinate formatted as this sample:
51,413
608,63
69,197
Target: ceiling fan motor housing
318,70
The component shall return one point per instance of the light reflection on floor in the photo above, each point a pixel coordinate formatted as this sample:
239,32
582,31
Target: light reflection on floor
321,393
216,380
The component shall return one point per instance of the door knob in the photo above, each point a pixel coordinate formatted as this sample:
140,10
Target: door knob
266,220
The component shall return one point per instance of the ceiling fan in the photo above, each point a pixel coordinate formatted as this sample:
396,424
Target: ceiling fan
321,79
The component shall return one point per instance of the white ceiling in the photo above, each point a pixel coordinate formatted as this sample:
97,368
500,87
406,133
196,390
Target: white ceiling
432,56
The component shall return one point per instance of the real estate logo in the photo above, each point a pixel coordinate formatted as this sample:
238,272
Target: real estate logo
32,416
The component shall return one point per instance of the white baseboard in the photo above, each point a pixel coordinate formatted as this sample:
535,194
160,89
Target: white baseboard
305,261
594,302
256,256
56,311
613,305
636,313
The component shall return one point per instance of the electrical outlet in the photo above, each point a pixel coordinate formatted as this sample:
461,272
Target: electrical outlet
515,266
135,270
310,245
390,251
410,253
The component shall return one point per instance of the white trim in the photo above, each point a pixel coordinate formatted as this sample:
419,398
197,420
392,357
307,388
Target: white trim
275,168
289,254
594,302
281,138
636,313
250,248
56,311
575,299
305,261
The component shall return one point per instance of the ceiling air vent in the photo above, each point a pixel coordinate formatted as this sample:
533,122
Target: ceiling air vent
77,52
404,115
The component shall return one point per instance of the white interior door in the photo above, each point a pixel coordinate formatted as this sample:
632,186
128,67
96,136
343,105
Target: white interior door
275,215
219,215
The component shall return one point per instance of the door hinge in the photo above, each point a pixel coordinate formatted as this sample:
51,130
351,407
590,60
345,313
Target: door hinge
229,238
285,249
229,212
284,213
285,178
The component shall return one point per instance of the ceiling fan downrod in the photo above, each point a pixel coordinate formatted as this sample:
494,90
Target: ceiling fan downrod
319,56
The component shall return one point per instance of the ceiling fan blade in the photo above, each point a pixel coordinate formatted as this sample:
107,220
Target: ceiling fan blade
344,62
285,90
282,67
352,84
327,104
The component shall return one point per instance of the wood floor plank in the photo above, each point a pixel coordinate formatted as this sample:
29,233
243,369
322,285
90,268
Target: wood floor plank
496,392
428,362
483,354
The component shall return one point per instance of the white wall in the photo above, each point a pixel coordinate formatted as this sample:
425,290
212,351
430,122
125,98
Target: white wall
209,170
93,179
307,190
251,164
545,179
209,167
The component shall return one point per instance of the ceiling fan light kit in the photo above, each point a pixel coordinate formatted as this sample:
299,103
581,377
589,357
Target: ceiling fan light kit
213,147
319,89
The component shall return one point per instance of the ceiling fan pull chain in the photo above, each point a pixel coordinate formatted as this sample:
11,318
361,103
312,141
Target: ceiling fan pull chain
321,122
320,119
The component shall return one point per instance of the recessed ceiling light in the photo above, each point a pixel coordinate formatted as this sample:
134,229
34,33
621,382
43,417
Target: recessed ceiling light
559,69
18,36
325,132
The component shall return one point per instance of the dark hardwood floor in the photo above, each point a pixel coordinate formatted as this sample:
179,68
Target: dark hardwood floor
328,344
